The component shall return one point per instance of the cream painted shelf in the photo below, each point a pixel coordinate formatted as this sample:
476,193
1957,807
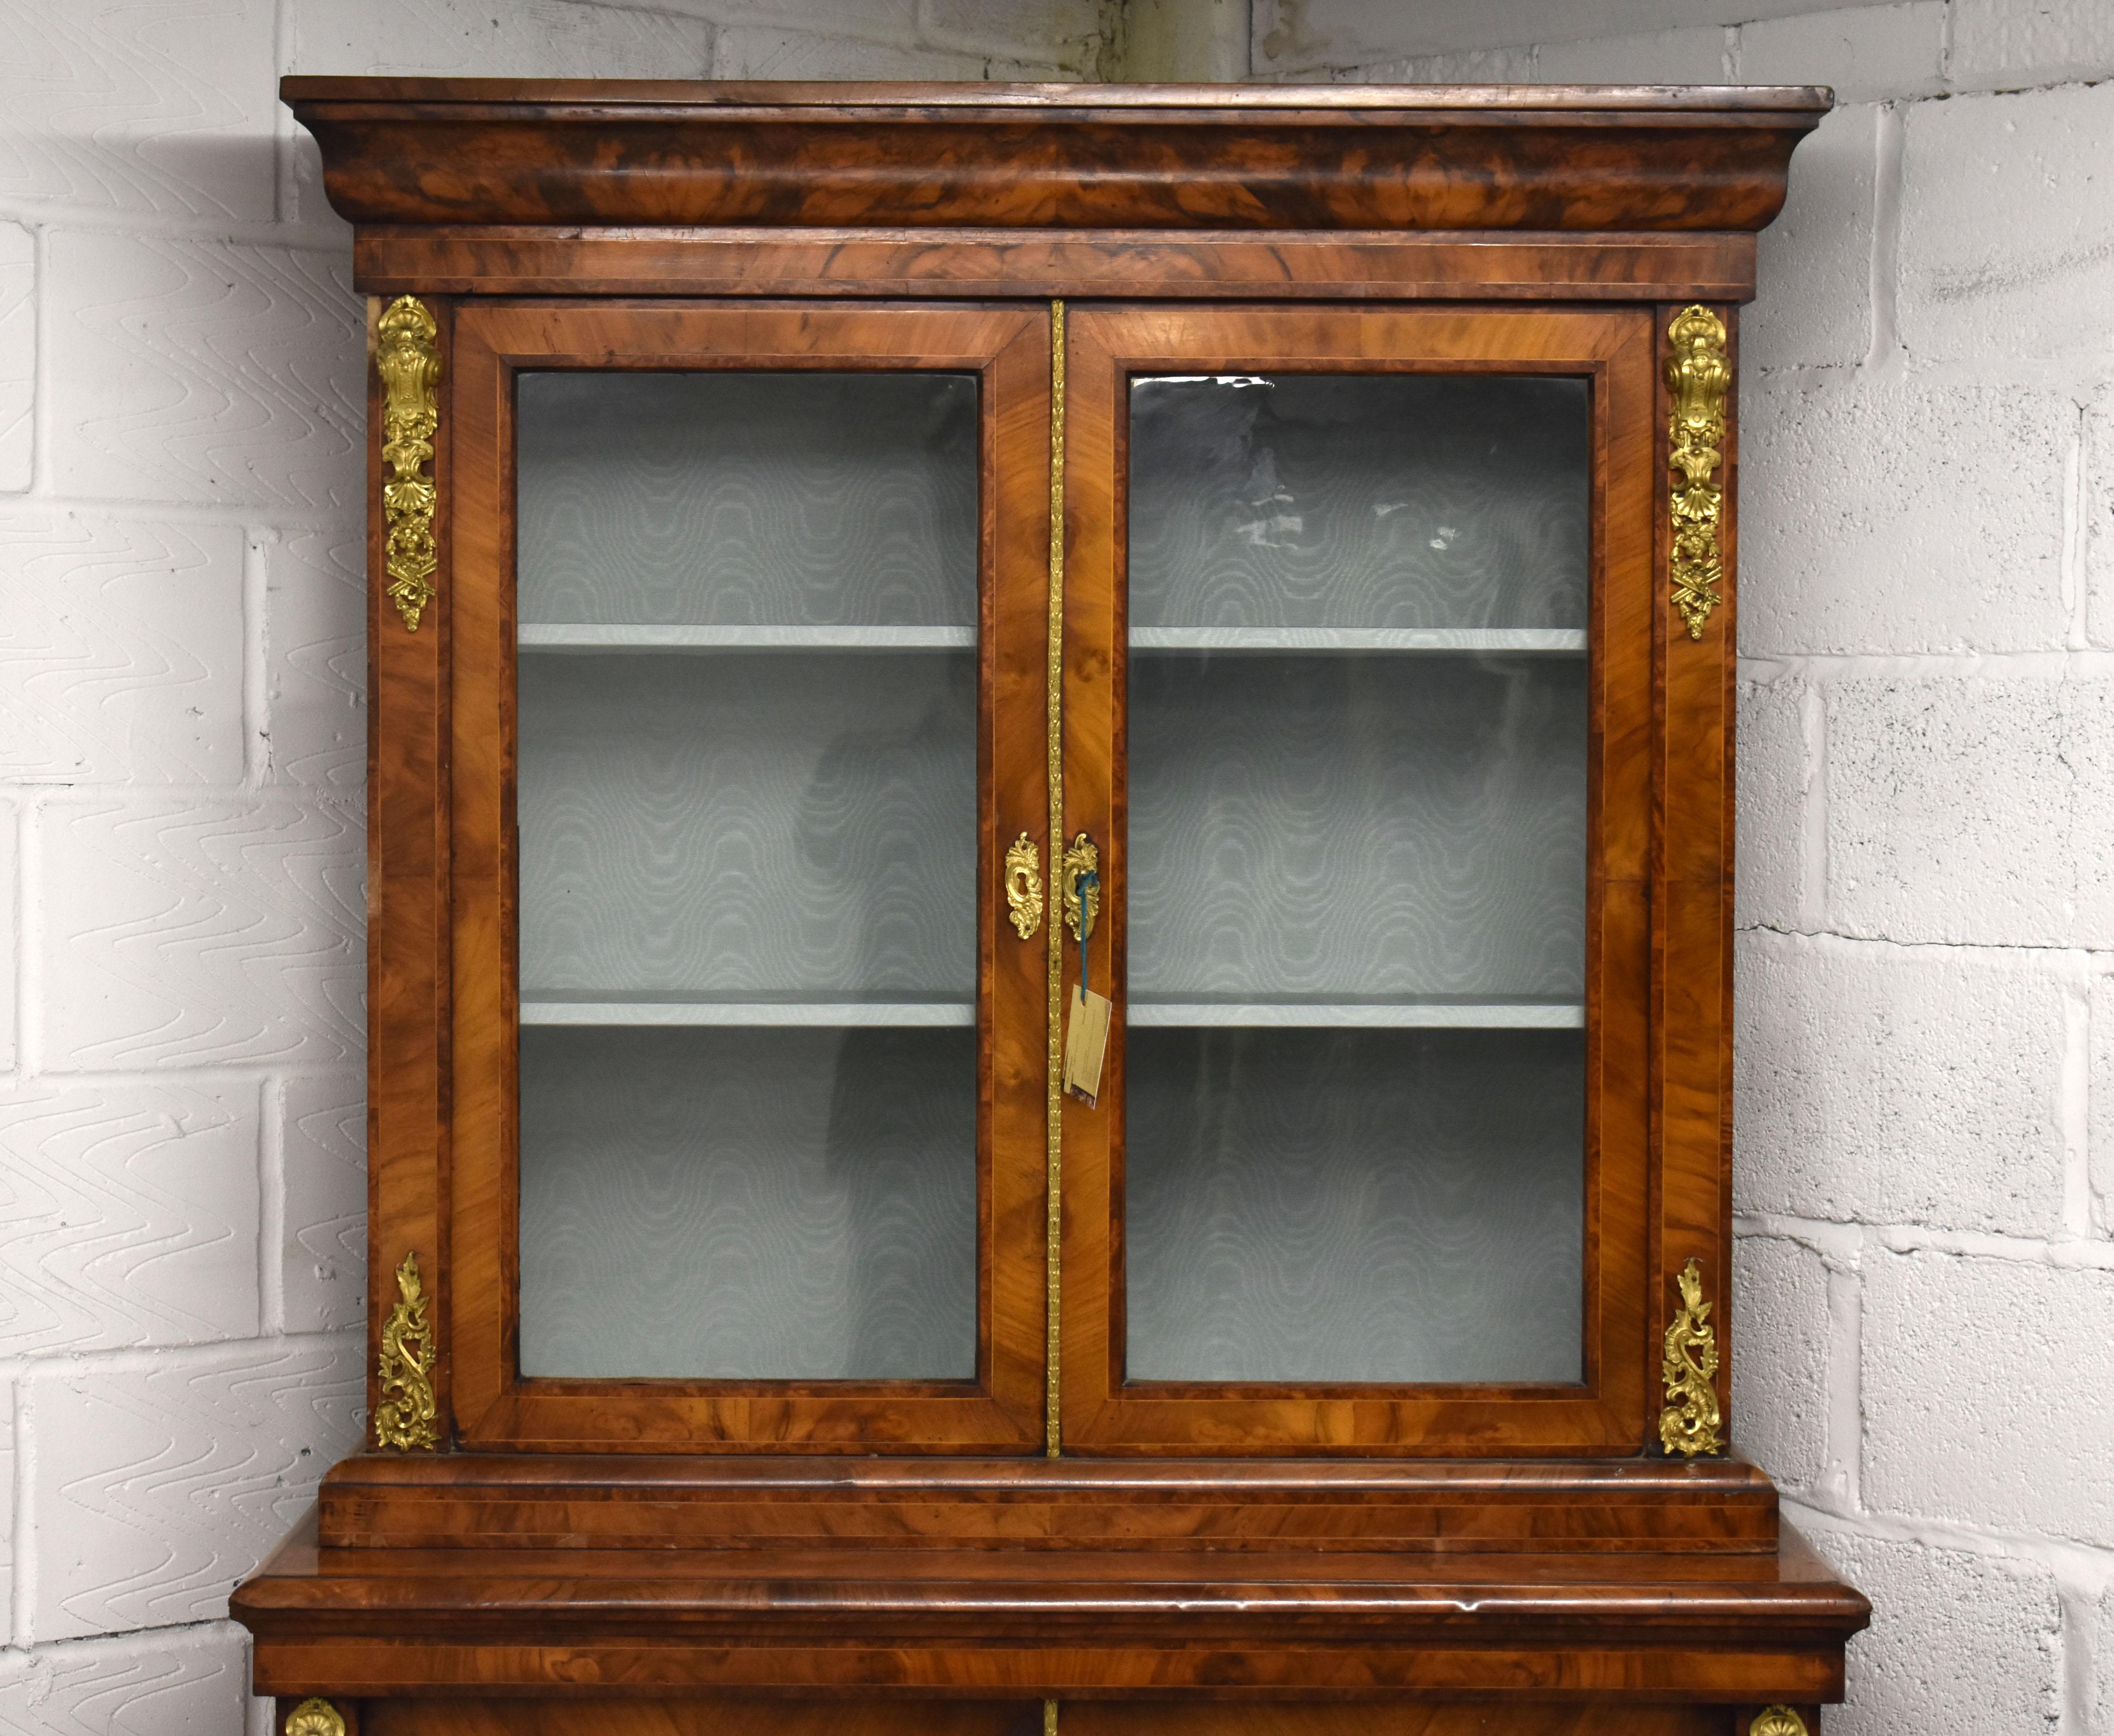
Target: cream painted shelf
568,636
1544,642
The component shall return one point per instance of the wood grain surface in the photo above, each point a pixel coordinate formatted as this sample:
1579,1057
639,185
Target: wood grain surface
1104,1409
1727,1627
619,260
1692,910
409,872
1000,1407
724,1716
664,1558
474,152
717,1716
377,1501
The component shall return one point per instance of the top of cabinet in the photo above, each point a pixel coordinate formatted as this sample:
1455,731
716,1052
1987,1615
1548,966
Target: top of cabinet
454,152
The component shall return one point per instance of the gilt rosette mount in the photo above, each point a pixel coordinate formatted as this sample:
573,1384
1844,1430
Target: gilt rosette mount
1689,1424
408,357
1698,375
315,1718
406,1416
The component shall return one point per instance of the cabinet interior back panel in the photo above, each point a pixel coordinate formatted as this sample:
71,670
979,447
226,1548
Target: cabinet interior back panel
1355,1206
761,1204
748,498
1359,825
748,823
1401,500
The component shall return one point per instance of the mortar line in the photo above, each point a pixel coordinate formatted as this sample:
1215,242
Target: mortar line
2074,1104
31,1369
28,940
2077,1622
282,157
257,540
22,1612
180,1631
1845,1468
2071,563
21,1605
235,1075
346,803
42,411
203,228
236,515
2056,1253
2086,1567
1813,809
2086,662
271,1208
1884,280
2059,957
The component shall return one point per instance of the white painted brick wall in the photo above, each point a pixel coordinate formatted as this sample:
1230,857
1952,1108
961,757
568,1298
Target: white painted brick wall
182,764
1900,1085
1879,509
1814,307
2007,226
1962,1640
178,1682
1926,997
130,1216
1950,1335
1924,1286
18,352
152,1489
1971,810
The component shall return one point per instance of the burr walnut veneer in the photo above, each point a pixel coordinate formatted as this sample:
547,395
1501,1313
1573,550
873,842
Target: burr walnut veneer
1050,892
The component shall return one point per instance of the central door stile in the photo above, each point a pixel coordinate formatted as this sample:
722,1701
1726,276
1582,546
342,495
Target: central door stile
1053,1421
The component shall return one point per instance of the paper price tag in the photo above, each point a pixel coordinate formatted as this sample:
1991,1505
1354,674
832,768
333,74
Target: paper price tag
1086,1042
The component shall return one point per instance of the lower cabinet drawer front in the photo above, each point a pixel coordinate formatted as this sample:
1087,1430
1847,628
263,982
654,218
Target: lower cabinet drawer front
1401,1718
712,1717
776,1717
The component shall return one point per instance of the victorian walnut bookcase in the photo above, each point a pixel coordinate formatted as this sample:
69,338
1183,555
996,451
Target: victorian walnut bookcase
1049,888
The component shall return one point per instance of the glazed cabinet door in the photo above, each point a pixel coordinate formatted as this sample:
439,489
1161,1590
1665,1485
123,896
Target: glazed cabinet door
747,647
1359,641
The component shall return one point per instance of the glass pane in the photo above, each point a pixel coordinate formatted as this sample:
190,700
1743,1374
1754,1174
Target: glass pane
1355,947
747,801
771,1203
746,822
1354,1205
733,499
1401,500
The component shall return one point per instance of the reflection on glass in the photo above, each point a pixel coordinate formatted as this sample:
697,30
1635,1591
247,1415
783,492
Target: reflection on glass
766,1203
1354,1205
733,498
746,795
1355,946
1398,500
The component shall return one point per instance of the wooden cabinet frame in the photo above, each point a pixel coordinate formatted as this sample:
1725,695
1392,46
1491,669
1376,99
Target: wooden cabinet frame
1000,1410
1612,349
661,1557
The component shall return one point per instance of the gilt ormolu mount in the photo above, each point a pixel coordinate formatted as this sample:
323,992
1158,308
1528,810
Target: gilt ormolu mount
1088,1518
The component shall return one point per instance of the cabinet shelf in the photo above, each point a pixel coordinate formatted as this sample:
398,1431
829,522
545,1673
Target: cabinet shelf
1542,642
571,636
824,1007
1426,1012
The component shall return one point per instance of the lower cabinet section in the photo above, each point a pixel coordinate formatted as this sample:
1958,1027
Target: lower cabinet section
779,1717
